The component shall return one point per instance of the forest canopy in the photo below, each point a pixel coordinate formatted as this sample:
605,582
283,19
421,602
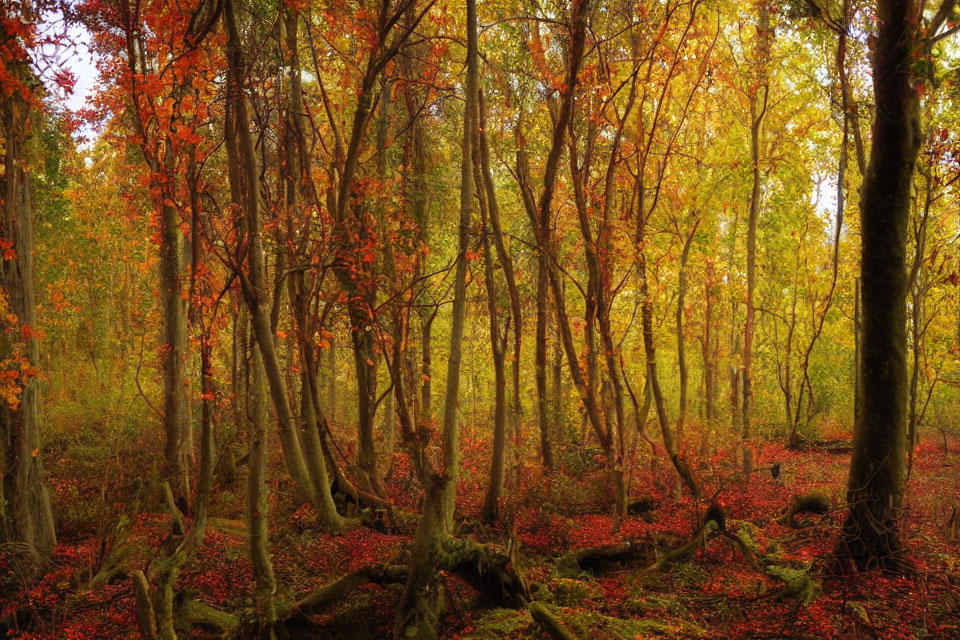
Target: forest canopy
458,319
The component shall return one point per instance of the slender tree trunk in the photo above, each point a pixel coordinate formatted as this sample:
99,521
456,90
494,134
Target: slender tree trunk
916,311
857,340
917,289
509,274
257,503
426,365
653,379
494,488
538,211
333,409
681,346
707,352
733,369
870,534
540,368
293,172
244,188
451,406
557,418
758,108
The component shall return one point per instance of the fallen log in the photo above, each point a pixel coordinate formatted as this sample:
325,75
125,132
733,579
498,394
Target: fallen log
839,446
594,559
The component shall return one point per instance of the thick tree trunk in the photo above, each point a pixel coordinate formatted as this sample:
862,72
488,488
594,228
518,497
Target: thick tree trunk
871,534
25,512
176,423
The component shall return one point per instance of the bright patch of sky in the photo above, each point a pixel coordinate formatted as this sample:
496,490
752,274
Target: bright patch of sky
71,54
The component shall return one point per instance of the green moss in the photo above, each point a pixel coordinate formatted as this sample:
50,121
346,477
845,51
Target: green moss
657,604
567,567
595,625
688,575
800,585
570,592
498,623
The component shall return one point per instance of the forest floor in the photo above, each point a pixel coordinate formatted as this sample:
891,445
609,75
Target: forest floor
785,585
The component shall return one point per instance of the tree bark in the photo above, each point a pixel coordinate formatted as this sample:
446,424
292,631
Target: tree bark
870,535
244,189
25,511
257,503
653,379
758,109
487,203
451,406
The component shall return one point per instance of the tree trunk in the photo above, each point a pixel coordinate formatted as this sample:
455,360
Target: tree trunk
870,535
708,352
646,318
244,189
509,274
758,109
331,379
257,503
540,368
451,406
681,346
487,202
175,409
25,512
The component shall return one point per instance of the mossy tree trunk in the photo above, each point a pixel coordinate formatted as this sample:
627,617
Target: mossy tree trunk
25,511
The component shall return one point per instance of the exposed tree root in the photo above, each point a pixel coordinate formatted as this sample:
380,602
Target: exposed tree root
491,572
814,501
798,584
696,541
113,565
191,612
549,622
317,600
146,617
